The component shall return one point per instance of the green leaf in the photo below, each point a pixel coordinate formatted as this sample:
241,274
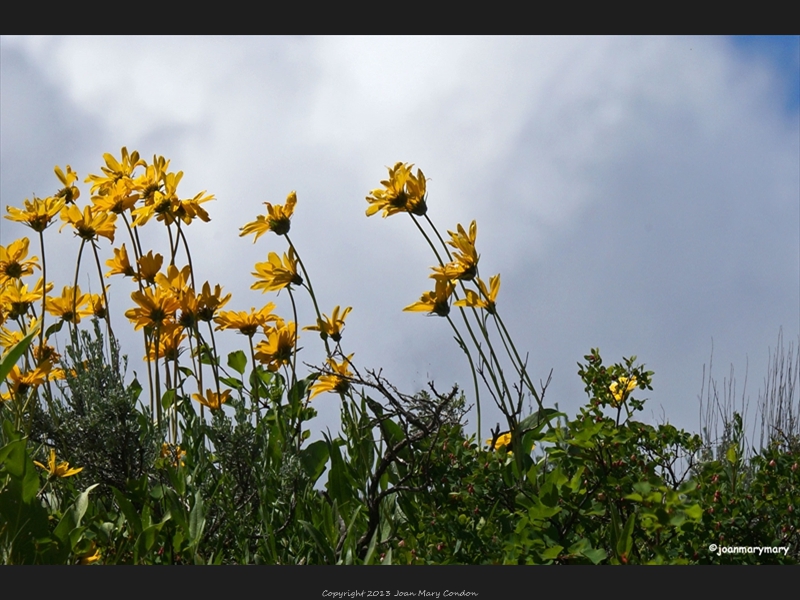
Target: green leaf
197,520
131,515
237,361
13,355
314,458
551,553
167,399
54,328
596,555
231,382
539,419
731,454
694,512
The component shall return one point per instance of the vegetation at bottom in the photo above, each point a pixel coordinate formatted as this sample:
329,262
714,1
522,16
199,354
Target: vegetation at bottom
211,459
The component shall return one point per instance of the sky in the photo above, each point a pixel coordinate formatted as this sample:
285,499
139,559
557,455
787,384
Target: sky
640,195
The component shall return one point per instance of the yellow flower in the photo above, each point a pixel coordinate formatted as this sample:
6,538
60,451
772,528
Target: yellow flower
335,381
330,326
121,264
58,470
170,339
174,452
402,192
621,388
20,383
114,171
71,306
91,556
154,308
16,300
208,303
278,219
163,202
120,197
88,225
190,209
149,266
38,214
465,265
486,299
246,323
436,302
275,275
9,339
149,183
278,348
211,399
12,261
175,281
69,192
503,441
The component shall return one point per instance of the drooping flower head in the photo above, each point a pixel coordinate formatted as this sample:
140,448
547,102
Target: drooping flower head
330,327
120,264
335,381
486,299
402,192
278,219
465,263
276,274
436,302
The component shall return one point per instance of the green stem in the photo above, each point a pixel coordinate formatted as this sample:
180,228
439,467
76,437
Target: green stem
309,287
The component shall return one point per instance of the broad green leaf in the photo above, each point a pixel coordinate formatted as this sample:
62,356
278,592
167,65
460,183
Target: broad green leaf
596,555
551,553
237,361
167,399
128,510
197,520
13,355
314,458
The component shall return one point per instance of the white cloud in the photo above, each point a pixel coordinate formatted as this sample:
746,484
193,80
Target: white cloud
637,194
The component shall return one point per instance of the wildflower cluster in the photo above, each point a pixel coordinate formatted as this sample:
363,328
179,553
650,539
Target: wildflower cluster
458,284
220,468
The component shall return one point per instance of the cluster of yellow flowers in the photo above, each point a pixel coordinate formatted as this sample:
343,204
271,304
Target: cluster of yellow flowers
405,192
621,389
279,273
19,298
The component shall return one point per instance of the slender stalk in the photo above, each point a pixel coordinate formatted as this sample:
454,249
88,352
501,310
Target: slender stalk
256,380
188,254
308,286
294,354
474,373
105,296
44,289
75,295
